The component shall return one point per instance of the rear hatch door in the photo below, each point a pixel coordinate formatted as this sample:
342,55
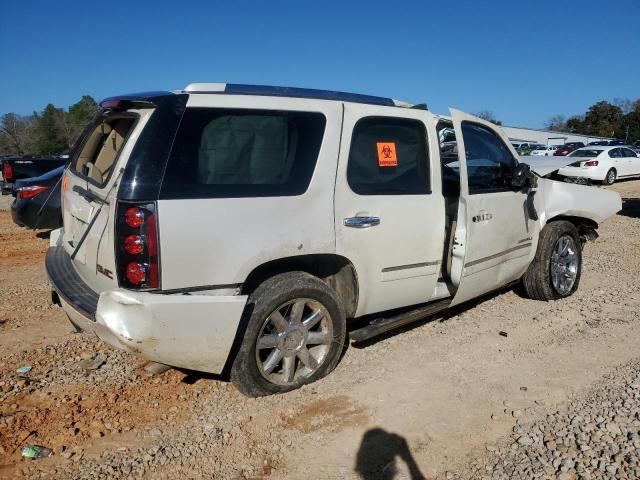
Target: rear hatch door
89,194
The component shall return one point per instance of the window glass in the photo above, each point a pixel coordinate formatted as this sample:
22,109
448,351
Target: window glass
388,156
586,152
628,152
100,147
243,153
615,153
490,164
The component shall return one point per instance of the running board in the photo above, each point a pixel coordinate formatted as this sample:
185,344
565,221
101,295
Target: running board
381,325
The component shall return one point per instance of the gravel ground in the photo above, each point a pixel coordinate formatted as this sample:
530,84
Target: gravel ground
597,436
450,398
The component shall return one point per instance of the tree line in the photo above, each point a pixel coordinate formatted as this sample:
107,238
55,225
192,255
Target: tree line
52,131
618,119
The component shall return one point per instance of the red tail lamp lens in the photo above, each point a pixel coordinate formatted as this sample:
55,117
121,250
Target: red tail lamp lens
591,163
134,217
7,172
27,193
136,273
133,244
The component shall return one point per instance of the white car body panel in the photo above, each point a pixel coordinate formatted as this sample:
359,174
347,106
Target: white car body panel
219,241
495,251
397,261
555,199
543,166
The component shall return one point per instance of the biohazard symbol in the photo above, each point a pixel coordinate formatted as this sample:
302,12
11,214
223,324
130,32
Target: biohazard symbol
387,154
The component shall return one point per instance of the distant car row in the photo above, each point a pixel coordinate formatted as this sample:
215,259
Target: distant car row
538,149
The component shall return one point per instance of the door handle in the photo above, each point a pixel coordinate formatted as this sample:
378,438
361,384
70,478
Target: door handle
361,222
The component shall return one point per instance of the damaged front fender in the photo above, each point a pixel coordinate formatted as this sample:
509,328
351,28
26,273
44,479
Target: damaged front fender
556,199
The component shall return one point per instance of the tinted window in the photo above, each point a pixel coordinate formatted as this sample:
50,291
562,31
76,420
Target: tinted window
243,153
489,162
628,152
615,153
388,156
586,152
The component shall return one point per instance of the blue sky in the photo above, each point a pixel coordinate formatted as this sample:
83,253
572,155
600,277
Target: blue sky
523,60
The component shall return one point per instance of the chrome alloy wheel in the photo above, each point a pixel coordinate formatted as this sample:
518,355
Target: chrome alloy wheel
294,341
611,177
564,264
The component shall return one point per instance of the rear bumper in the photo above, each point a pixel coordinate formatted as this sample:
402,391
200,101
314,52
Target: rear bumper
592,173
188,331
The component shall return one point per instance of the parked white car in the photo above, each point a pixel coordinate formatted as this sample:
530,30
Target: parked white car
543,152
602,164
240,229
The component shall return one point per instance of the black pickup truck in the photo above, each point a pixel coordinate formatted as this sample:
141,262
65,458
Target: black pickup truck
19,167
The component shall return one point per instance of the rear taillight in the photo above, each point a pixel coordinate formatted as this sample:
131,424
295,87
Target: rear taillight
7,172
26,193
137,246
590,163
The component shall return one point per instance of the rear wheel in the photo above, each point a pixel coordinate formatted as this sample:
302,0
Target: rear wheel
295,335
610,177
556,269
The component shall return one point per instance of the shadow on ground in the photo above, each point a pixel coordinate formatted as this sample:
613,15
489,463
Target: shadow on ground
378,457
630,207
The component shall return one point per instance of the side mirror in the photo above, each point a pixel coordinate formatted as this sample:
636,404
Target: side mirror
521,175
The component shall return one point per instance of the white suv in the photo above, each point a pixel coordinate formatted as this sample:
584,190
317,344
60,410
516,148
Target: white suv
238,229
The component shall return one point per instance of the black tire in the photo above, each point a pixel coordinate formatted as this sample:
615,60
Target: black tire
537,281
246,374
610,177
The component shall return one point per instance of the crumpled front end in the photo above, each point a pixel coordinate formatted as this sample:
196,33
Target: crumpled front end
554,198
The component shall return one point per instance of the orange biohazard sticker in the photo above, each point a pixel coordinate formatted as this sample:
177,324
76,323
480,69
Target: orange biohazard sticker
387,154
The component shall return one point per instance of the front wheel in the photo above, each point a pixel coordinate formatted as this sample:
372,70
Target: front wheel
610,177
295,335
556,268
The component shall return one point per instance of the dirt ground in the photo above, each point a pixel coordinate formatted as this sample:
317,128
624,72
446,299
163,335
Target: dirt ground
428,400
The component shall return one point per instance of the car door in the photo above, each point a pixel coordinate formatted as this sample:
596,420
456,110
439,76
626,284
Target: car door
389,209
619,162
632,161
495,238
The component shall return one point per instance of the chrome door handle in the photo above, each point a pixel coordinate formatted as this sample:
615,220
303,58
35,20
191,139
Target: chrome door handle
361,222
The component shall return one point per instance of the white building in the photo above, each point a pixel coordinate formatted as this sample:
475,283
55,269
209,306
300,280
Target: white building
546,137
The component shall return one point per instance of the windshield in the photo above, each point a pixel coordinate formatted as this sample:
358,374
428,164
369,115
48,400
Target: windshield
590,152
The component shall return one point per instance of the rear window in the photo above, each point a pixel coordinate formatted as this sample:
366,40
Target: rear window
98,152
243,153
590,152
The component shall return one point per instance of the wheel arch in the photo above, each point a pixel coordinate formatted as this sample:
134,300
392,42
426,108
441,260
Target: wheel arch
587,228
337,271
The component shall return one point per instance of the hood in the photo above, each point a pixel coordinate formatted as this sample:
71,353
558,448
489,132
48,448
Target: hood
543,166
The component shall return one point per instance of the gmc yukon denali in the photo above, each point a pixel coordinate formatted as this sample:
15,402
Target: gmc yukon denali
240,229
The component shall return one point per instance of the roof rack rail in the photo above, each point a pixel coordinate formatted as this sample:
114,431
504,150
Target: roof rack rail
274,91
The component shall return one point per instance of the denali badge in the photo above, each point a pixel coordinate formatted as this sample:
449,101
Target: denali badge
107,273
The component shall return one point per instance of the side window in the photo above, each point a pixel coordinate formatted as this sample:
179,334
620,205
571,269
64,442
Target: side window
628,152
220,153
490,164
615,153
389,156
